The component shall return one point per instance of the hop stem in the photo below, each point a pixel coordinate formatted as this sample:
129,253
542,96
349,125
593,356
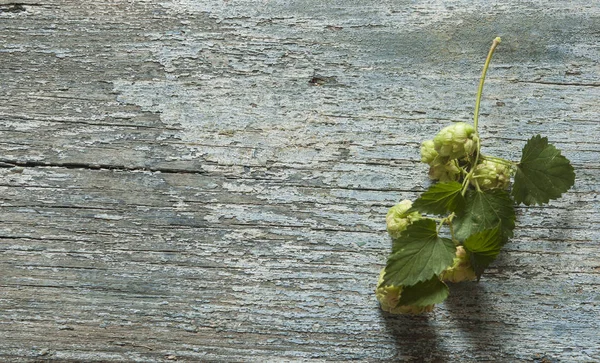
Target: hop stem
499,160
476,117
482,80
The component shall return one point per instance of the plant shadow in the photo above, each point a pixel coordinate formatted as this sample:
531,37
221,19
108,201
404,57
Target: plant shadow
416,337
463,329
472,314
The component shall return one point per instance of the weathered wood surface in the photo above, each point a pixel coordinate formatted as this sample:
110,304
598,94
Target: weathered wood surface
207,180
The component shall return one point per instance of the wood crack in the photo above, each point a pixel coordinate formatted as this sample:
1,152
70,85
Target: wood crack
4,163
551,83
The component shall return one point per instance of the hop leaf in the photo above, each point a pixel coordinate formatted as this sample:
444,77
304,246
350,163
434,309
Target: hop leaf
484,210
440,198
455,141
424,294
418,254
399,217
484,247
542,174
491,175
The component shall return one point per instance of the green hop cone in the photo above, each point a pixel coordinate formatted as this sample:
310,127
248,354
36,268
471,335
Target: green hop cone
491,175
445,172
389,295
397,218
461,269
440,167
456,141
428,153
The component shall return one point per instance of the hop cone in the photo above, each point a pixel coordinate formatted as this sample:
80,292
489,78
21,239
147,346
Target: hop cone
389,295
445,172
440,168
455,141
428,153
461,269
397,218
490,174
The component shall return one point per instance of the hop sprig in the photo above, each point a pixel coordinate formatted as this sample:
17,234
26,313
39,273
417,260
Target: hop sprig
470,202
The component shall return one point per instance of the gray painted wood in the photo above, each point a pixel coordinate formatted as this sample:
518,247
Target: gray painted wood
208,180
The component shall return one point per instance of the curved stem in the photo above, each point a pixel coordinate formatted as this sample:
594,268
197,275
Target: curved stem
446,220
439,228
482,80
450,218
476,117
499,160
465,183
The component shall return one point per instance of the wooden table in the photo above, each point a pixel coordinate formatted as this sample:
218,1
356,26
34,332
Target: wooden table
207,180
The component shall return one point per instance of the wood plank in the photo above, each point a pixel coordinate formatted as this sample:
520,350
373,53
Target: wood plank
207,181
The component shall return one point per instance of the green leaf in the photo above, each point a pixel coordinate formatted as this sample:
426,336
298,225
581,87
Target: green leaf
440,198
424,293
419,254
484,210
483,248
542,174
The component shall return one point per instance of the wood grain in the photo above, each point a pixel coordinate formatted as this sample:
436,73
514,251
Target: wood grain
207,180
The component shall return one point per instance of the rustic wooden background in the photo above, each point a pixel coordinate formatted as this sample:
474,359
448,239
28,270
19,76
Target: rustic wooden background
207,180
